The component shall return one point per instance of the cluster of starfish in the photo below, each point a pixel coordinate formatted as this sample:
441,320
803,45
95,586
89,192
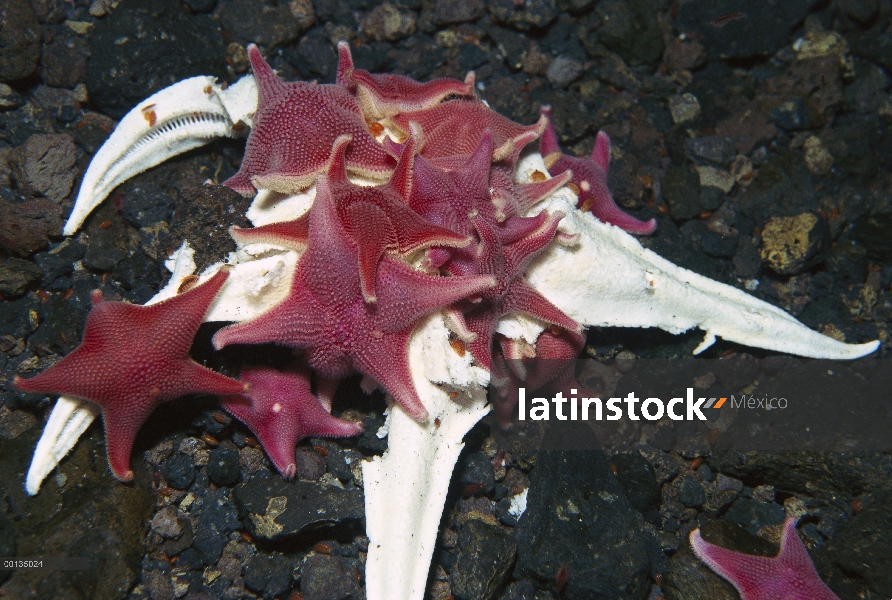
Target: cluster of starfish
442,228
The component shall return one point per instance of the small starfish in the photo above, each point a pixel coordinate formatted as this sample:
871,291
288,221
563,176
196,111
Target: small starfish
382,96
378,218
281,411
326,314
788,576
131,359
294,129
455,128
508,262
590,178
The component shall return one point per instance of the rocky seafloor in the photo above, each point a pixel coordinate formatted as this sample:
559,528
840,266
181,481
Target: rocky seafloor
758,134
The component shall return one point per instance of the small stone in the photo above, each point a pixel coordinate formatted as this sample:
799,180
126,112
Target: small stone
817,157
681,190
684,108
16,275
792,115
328,577
714,148
458,11
563,70
789,243
476,578
754,515
165,523
530,14
27,226
19,39
630,28
45,165
310,465
64,61
270,574
763,493
690,492
223,464
389,23
269,24
637,478
251,459
179,471
9,98
717,178
536,62
475,470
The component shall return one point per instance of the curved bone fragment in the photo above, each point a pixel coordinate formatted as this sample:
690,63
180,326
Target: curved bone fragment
183,116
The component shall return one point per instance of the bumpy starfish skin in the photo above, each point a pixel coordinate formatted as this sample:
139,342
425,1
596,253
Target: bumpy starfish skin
383,95
790,575
376,218
590,177
281,411
327,315
133,358
512,294
294,129
456,128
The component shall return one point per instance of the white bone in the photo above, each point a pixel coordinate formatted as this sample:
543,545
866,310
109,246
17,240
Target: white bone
183,116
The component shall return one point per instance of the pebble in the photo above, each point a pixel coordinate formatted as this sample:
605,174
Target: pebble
458,11
714,148
684,108
165,523
45,165
26,227
310,464
270,24
563,70
690,492
19,39
681,190
476,578
532,14
223,464
789,243
630,28
179,471
270,574
328,577
387,22
817,157
17,275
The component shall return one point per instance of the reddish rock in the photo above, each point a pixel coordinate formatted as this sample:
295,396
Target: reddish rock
45,165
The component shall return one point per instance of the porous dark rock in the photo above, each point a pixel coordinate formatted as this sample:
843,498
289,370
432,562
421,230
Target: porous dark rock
19,40
328,577
26,227
273,508
45,165
533,14
16,275
268,24
577,517
485,554
140,48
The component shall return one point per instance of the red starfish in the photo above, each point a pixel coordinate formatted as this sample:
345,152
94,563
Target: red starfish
590,177
294,129
789,575
326,313
508,262
456,128
281,411
382,95
376,218
133,358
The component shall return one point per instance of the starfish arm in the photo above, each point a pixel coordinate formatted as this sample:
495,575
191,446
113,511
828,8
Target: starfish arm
294,322
745,572
523,298
286,234
121,425
405,294
345,65
376,233
388,364
527,195
601,152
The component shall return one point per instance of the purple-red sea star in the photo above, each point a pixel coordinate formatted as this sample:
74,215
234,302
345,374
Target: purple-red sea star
590,178
133,358
455,128
788,576
378,219
294,129
326,314
383,95
281,411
